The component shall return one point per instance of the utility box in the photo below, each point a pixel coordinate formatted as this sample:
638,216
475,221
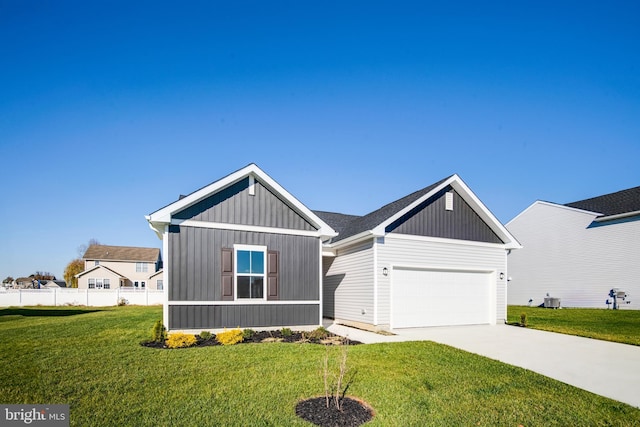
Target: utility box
552,303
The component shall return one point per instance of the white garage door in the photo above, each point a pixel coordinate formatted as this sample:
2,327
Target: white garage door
439,298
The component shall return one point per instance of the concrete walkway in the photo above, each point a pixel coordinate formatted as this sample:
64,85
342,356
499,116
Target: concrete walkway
601,367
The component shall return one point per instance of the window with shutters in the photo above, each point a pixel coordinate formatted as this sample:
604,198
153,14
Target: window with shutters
249,273
250,268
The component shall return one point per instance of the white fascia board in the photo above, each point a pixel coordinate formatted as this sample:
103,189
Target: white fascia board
327,251
365,235
465,192
241,227
553,205
164,215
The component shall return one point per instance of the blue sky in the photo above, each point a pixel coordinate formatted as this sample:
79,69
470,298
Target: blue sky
110,110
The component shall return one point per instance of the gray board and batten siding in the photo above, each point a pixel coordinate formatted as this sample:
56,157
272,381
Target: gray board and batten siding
248,316
196,261
234,205
431,219
196,257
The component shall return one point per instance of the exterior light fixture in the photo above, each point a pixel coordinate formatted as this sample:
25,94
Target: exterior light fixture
385,272
501,276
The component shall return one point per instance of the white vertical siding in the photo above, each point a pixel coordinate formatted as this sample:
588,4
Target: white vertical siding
348,284
565,258
429,253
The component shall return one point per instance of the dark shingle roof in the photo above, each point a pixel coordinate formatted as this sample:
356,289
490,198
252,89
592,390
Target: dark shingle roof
121,253
337,221
611,204
359,224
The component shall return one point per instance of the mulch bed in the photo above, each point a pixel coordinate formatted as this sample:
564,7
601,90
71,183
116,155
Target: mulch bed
352,414
265,336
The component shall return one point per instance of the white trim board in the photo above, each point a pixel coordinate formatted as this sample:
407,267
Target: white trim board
244,302
241,227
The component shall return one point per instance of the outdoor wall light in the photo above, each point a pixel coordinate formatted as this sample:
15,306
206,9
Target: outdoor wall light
501,276
385,272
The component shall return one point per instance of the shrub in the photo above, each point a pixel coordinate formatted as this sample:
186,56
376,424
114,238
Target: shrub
159,332
229,337
247,334
205,335
286,332
181,340
318,334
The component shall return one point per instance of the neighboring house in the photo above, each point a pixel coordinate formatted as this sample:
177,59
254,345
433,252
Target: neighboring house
244,252
578,251
25,283
49,284
110,267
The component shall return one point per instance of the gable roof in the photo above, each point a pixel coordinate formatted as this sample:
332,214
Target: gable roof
613,204
375,223
121,253
160,218
98,267
337,221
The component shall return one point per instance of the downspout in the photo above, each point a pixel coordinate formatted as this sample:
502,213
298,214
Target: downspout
375,282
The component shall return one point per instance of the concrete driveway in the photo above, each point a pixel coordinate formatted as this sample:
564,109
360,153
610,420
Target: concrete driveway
605,368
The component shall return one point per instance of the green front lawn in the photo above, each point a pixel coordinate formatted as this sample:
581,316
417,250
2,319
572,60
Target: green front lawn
92,361
609,325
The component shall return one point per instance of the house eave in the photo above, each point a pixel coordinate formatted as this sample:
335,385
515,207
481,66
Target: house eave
617,216
357,238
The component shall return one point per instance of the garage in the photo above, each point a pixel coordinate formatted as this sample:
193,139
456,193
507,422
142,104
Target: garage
429,297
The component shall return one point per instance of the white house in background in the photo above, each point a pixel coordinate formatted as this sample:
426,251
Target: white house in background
578,251
110,267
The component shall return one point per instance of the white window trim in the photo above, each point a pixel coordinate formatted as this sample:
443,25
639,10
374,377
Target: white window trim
253,248
144,267
97,280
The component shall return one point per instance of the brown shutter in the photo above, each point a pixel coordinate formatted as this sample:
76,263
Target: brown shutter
227,274
273,273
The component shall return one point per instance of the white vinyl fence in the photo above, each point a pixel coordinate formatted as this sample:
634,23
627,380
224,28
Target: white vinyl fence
71,296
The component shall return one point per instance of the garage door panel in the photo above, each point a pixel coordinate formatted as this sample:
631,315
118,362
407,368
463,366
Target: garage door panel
439,298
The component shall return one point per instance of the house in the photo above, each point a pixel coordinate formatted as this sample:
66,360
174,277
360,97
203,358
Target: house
51,284
244,252
110,267
578,251
25,283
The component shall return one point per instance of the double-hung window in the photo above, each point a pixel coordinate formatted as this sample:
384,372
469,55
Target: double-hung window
141,267
250,271
92,283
